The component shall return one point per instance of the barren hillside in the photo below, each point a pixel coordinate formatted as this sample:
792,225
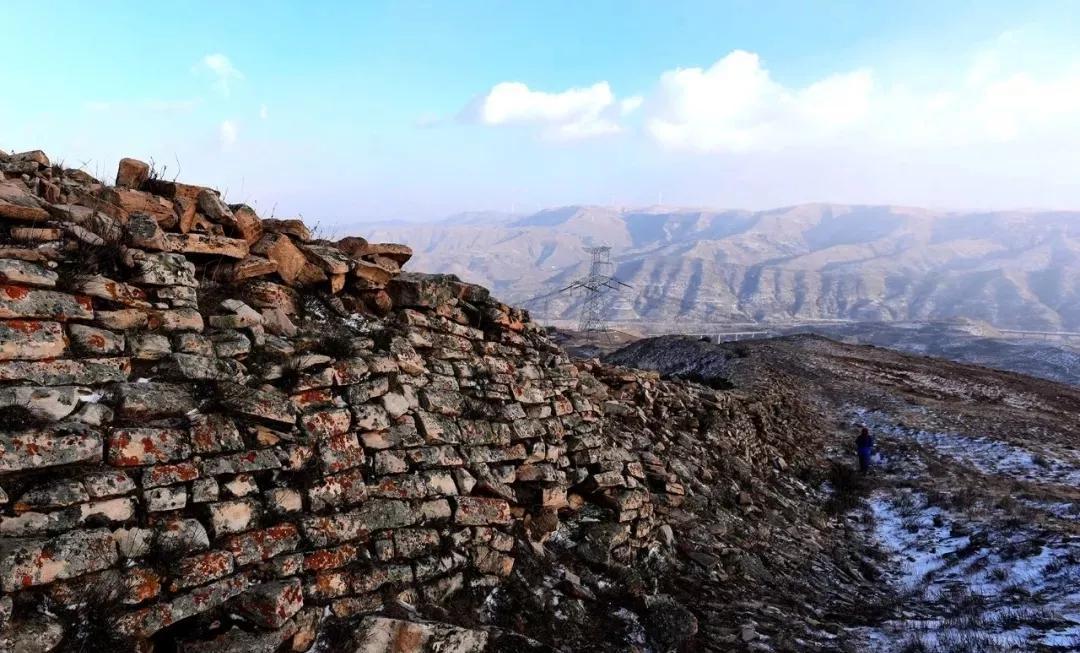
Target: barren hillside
971,505
1011,269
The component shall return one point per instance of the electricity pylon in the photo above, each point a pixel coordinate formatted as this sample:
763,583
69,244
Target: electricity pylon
595,285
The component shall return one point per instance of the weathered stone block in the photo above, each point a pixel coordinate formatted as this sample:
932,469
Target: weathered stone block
112,291
56,493
204,490
241,485
202,568
264,544
202,368
89,371
30,562
131,173
415,486
48,447
383,635
270,605
292,265
373,515
370,417
149,620
27,303
107,483
213,433
237,463
325,423
160,475
439,456
31,340
148,346
415,542
262,404
337,491
146,446
283,501
161,499
228,517
480,511
13,271
45,403
96,342
390,462
180,536
164,269
143,401
340,452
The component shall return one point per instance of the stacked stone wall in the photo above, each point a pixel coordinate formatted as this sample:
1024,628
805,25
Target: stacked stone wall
226,428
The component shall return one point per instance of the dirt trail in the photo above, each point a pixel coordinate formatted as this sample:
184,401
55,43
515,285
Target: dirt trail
983,547
973,507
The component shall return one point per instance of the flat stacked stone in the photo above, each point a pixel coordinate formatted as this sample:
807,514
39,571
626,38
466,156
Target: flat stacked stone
242,419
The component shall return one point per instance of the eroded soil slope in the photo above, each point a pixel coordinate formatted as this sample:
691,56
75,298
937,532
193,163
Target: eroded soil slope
971,506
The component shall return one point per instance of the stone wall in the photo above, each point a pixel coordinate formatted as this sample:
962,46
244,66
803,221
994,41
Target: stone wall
217,429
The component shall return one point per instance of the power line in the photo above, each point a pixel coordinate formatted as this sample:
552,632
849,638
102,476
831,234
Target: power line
598,282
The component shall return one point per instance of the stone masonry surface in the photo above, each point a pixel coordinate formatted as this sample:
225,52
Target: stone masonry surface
230,430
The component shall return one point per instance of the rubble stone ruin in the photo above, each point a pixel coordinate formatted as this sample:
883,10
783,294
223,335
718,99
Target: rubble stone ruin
221,433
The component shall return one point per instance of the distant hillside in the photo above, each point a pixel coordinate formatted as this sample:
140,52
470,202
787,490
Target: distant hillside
1016,269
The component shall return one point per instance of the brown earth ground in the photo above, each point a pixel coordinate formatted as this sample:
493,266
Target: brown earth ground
970,515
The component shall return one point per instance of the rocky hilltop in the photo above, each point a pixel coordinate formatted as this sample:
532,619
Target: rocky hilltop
1013,269
220,433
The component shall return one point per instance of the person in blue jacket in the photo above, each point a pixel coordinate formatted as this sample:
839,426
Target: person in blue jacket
864,445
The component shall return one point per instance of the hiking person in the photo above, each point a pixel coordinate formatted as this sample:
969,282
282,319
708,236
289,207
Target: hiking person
864,445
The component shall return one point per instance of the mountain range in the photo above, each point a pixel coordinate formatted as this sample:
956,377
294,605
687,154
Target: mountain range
1012,269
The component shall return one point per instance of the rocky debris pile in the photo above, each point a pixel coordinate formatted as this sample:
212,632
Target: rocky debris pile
154,222
218,433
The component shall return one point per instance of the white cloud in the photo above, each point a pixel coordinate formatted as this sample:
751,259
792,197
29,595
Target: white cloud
222,68
264,112
735,105
227,134
630,104
571,114
999,96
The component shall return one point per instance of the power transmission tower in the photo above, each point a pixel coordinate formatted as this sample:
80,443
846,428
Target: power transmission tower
594,286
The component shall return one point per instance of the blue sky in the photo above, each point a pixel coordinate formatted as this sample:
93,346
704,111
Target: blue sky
348,112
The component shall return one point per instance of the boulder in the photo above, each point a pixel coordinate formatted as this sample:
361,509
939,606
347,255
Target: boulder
121,203
292,265
295,228
247,222
252,266
131,173
17,203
